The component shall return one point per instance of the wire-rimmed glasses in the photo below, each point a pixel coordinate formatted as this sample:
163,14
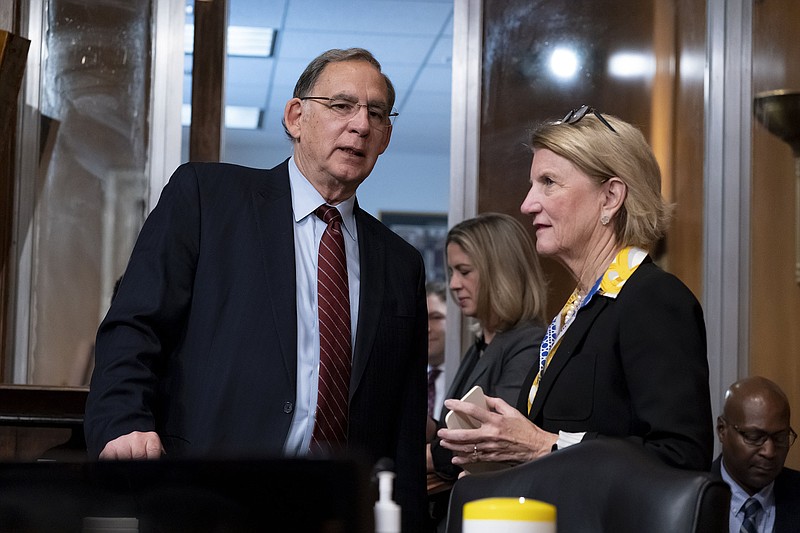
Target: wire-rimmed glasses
781,439
576,115
379,116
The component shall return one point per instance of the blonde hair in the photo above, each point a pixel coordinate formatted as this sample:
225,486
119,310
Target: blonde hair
511,287
601,154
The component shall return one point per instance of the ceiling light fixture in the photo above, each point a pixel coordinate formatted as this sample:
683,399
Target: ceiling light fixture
236,117
243,41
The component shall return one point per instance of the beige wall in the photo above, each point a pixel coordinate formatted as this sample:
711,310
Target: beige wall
775,294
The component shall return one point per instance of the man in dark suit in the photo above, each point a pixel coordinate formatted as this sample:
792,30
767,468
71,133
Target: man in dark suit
211,347
755,435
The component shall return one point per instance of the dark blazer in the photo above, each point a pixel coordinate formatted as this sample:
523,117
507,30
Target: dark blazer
787,497
504,364
633,367
200,343
500,372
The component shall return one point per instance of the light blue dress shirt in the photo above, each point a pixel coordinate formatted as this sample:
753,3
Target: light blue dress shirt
765,520
308,230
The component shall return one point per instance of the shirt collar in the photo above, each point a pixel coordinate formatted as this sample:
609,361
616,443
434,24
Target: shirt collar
766,496
306,199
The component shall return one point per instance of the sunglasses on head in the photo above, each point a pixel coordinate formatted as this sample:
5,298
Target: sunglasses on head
576,115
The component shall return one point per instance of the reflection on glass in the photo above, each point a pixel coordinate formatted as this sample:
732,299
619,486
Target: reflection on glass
541,59
631,65
564,63
90,195
539,63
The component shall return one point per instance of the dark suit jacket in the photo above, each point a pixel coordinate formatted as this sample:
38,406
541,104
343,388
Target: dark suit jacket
500,372
787,497
633,367
200,342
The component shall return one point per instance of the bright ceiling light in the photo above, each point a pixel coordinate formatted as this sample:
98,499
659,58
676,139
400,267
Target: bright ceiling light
244,41
630,65
242,118
564,63
236,117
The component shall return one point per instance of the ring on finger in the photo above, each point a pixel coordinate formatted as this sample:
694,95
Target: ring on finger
475,452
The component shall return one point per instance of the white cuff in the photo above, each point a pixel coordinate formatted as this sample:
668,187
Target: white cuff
566,439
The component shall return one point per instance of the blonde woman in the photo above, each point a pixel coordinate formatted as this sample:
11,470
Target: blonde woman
626,356
495,277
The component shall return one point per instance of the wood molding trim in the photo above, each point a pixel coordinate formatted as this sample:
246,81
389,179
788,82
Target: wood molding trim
208,80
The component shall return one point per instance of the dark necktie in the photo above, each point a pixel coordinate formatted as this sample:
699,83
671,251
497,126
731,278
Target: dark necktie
330,429
433,373
751,509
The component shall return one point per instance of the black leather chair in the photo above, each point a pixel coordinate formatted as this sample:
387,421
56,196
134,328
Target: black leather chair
606,485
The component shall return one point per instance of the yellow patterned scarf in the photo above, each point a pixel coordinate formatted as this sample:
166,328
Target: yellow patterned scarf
609,285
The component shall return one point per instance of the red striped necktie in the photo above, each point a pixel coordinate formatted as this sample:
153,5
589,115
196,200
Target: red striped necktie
330,428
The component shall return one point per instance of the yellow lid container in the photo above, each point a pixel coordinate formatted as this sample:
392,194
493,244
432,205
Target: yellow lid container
513,515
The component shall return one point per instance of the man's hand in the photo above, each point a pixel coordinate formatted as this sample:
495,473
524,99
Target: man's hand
135,445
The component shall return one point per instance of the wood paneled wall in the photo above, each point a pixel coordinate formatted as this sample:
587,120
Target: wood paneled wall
669,111
684,243
774,292
41,422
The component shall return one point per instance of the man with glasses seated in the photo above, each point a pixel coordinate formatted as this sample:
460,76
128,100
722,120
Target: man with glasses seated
756,436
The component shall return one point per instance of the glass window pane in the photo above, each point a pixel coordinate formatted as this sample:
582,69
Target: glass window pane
639,60
91,193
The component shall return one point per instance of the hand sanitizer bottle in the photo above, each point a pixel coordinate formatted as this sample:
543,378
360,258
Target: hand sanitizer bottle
387,512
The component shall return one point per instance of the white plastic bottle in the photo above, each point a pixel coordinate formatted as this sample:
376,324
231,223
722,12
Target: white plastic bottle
387,512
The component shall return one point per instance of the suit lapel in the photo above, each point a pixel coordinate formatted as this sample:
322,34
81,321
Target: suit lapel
372,282
273,212
572,338
461,374
482,365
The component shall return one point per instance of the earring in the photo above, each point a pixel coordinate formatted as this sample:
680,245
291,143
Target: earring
604,220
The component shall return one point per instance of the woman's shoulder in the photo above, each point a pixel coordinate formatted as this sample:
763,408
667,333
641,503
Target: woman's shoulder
652,280
527,331
650,274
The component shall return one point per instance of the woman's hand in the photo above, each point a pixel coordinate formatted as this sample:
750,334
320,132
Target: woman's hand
505,435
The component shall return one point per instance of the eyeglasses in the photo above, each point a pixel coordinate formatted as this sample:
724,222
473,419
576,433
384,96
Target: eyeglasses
781,439
576,115
379,116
